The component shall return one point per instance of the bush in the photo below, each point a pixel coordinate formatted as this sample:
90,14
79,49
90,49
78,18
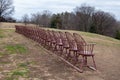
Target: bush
92,29
117,34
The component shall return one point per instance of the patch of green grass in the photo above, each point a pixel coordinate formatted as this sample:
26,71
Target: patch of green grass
6,33
1,33
10,78
13,49
1,36
22,73
4,62
15,74
24,64
1,54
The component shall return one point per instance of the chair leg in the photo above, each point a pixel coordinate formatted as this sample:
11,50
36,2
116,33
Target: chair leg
82,63
66,52
55,48
94,62
61,50
68,55
75,58
48,45
85,61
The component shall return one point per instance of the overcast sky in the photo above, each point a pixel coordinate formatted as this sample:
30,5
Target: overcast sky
56,6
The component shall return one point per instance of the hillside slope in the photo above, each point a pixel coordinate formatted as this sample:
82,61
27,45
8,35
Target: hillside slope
107,52
43,66
11,25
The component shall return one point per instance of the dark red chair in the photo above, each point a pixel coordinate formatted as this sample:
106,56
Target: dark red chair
65,44
52,44
58,44
72,48
85,50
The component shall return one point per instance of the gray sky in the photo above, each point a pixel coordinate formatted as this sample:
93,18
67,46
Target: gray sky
56,6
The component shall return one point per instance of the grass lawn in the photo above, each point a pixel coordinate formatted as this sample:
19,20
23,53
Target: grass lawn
24,59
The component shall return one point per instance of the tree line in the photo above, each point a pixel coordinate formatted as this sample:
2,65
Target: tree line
6,10
83,18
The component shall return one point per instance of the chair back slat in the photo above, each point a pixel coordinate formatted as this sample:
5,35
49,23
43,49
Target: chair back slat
51,36
57,37
64,39
80,41
71,40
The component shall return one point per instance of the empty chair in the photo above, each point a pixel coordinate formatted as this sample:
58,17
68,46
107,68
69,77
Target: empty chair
72,47
43,37
65,43
52,41
85,50
59,44
48,39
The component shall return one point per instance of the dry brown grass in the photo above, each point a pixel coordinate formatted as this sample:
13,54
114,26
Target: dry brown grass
12,25
107,54
44,66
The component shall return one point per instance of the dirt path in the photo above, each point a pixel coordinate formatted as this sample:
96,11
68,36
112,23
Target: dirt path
37,63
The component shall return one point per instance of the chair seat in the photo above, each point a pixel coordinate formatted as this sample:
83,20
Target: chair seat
60,44
48,40
66,46
74,49
53,41
86,53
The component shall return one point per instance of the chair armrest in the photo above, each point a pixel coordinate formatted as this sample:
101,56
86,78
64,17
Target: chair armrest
87,47
91,43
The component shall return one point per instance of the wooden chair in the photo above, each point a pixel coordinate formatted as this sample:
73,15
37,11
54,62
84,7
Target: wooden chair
72,48
43,37
52,43
31,33
59,44
65,44
85,50
48,39
39,36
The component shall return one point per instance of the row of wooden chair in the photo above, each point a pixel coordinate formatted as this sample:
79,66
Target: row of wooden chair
72,47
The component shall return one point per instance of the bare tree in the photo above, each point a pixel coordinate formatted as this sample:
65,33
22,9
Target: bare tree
41,19
83,16
68,20
6,8
25,19
35,18
65,20
104,23
45,18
